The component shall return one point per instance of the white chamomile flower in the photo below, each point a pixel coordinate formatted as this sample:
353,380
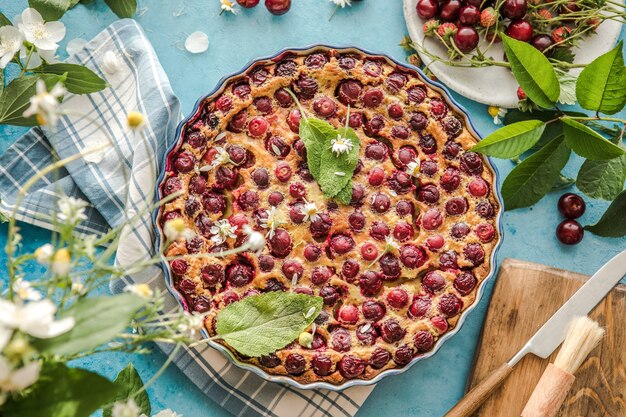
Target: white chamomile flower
44,253
413,168
391,245
44,35
125,409
35,318
227,6
77,288
16,380
142,290
221,231
135,120
197,42
45,105
341,145
10,43
174,228
272,222
221,157
256,241
24,291
167,413
310,212
192,324
342,3
497,113
110,62
61,262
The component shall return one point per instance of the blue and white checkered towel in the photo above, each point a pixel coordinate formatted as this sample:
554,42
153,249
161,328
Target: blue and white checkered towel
119,183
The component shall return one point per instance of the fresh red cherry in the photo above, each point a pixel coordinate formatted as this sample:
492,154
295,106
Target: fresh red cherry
427,9
570,232
514,9
248,3
450,10
571,206
278,7
520,29
469,15
542,42
466,38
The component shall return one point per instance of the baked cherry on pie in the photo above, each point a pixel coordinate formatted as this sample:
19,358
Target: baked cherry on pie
419,196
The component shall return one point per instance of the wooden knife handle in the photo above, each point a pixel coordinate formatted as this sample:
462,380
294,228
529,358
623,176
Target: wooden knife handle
477,396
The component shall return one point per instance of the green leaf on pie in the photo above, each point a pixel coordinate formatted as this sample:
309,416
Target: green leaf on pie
122,8
313,133
80,79
15,98
51,9
601,85
61,392
337,169
98,320
587,143
345,195
602,179
261,324
533,72
129,382
511,140
613,221
4,21
534,177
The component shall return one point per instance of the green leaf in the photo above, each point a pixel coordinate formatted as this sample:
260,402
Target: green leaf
261,324
4,21
552,130
602,179
80,79
613,221
313,133
62,392
331,181
129,382
535,176
511,140
601,85
122,8
51,9
562,183
533,72
16,96
98,320
562,54
567,83
587,143
345,195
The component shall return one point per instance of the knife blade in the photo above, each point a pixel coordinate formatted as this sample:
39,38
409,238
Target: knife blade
552,333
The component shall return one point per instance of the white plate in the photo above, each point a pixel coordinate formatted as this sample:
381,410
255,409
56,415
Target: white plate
496,85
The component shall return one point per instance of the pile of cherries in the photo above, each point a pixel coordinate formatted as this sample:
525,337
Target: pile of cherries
275,7
463,20
569,231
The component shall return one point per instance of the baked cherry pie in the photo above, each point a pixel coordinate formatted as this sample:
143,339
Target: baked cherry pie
420,199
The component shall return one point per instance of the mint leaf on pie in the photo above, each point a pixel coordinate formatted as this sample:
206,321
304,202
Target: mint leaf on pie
587,143
261,324
535,176
345,195
613,222
337,168
313,133
511,140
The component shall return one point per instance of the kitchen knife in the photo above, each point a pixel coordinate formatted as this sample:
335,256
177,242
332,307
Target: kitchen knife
550,335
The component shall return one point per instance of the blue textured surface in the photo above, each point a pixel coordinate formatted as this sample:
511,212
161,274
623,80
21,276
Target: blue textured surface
430,387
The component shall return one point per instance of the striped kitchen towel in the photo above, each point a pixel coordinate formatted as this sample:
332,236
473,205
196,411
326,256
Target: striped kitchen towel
119,183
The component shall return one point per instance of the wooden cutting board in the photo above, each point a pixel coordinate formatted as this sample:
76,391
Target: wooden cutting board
524,297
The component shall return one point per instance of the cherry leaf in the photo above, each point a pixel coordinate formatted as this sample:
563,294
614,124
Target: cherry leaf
587,143
511,140
613,222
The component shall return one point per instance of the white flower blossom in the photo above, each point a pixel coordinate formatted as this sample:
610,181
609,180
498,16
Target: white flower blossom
44,253
174,228
341,145
71,210
256,241
35,318
125,409
221,157
32,58
110,62
342,3
167,413
142,290
61,262
497,113
273,221
221,231
192,323
10,43
44,35
75,45
391,245
46,104
77,288
228,6
5,336
16,380
310,212
413,168
24,291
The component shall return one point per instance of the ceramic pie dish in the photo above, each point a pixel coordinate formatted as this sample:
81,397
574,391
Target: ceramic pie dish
237,160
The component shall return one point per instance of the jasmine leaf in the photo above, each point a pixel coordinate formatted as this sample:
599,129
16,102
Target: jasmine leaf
602,179
511,140
336,170
535,176
122,8
261,324
313,133
613,222
61,392
16,97
51,9
600,85
80,79
587,143
128,382
533,72
345,195
98,320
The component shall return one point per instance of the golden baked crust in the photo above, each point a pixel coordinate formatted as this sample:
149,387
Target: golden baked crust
439,283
